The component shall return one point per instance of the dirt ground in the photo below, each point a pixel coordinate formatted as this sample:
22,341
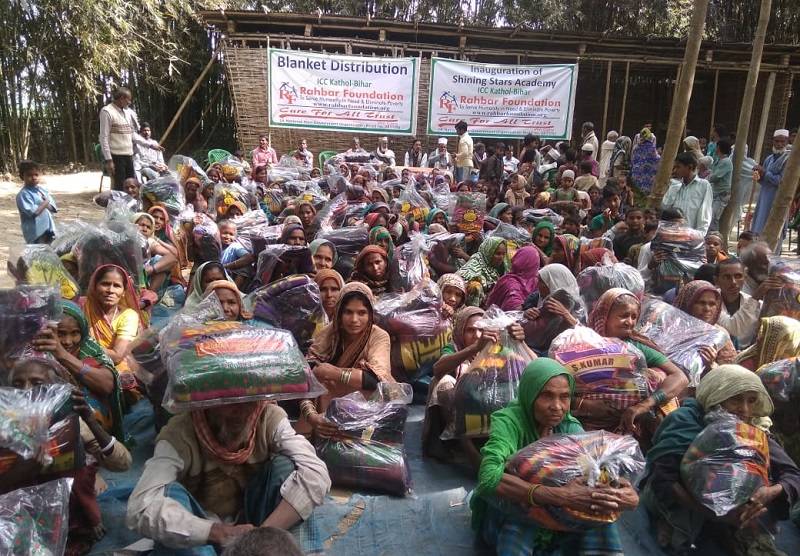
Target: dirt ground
73,194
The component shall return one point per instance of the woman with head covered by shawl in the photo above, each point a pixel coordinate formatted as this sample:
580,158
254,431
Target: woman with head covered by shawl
676,517
453,290
777,338
484,269
553,308
615,316
515,286
566,251
703,301
620,162
644,161
230,299
330,285
371,268
323,254
542,409
381,237
544,235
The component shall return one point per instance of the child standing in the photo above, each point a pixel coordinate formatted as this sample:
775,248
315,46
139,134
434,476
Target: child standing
35,205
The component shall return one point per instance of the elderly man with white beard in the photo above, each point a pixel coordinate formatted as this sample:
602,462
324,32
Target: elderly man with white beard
769,176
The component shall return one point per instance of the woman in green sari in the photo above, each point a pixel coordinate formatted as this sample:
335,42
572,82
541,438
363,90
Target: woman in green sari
484,269
541,409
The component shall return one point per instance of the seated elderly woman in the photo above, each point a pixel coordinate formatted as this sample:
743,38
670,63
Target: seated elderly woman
678,519
217,473
541,409
371,268
777,338
230,299
703,301
349,354
484,269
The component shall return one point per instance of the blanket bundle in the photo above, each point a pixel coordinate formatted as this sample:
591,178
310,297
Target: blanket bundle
293,304
781,379
24,311
467,211
594,281
685,250
33,520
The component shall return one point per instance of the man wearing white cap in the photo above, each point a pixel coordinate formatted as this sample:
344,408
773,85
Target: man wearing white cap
588,154
588,136
384,153
440,158
769,176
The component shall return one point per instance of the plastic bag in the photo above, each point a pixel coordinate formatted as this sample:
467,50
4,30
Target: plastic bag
726,463
416,326
248,225
311,194
534,216
781,379
224,362
165,191
604,368
292,304
368,451
466,211
113,242
685,250
114,201
39,264
261,236
68,235
411,206
348,242
541,332
185,167
226,194
492,380
518,236
206,240
282,173
25,417
232,169
24,311
293,188
598,457
273,199
596,280
411,267
679,335
783,301
281,260
33,520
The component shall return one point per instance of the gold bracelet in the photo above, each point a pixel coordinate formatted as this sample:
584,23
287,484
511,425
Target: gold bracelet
307,408
531,491
345,377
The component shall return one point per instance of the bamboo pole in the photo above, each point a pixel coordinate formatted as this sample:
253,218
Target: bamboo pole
765,108
783,199
200,119
732,211
624,98
714,104
680,104
189,96
605,103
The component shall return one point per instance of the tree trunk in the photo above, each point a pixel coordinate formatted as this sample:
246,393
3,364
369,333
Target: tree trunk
680,103
733,209
783,199
69,113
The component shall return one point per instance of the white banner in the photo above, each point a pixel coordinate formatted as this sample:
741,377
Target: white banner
343,93
502,100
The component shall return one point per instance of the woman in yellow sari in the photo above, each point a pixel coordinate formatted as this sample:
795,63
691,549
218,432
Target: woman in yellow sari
778,338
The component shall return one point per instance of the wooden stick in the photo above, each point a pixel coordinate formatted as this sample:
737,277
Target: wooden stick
189,96
714,103
200,119
762,125
624,98
748,218
605,103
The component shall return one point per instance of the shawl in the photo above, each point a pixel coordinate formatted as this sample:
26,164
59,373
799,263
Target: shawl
777,338
317,243
693,146
622,153
377,286
594,257
100,327
139,215
226,285
432,214
514,428
371,219
379,233
288,229
558,277
599,315
460,324
691,291
166,233
454,281
196,290
383,193
91,354
498,209
479,266
292,220
328,274
221,453
546,224
304,203
644,161
511,290
572,247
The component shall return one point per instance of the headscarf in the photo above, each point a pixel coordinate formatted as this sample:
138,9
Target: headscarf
519,282
238,204
515,427
479,266
379,286
196,291
317,243
595,256
777,338
498,209
100,328
545,224
372,218
460,324
693,144
287,231
328,274
305,203
166,233
558,277
221,453
622,148
454,281
691,291
139,215
226,285
292,220
90,353
379,233
599,315
432,214
572,247
383,193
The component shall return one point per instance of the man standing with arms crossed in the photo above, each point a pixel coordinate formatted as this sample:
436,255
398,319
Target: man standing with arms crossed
464,153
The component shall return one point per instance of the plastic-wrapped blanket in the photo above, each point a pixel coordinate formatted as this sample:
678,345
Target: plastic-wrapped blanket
492,380
597,457
596,280
25,417
411,206
685,251
781,379
368,452
418,331
293,304
24,311
467,211
69,233
224,362
33,520
604,368
783,301
680,335
726,463
112,242
206,240
39,264
228,194
280,260
185,167
411,266
348,242
541,332
166,191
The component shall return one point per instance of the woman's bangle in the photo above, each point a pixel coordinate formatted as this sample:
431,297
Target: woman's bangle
345,376
84,371
531,491
580,403
659,397
110,446
307,409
